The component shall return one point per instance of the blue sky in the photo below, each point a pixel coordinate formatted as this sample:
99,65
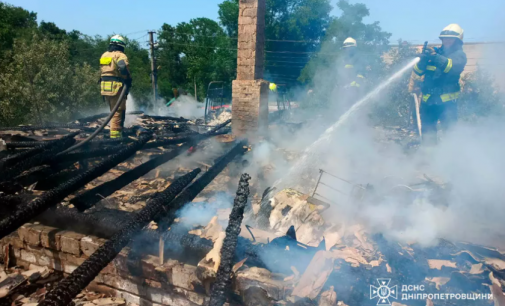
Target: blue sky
415,21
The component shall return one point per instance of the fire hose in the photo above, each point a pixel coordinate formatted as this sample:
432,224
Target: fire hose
101,127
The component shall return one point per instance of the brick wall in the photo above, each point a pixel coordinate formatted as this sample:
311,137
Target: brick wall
251,39
139,279
250,92
250,106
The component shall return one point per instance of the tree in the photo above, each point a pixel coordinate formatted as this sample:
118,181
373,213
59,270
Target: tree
194,53
293,30
372,41
14,22
41,84
395,106
228,16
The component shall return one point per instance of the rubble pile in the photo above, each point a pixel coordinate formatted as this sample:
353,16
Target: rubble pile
287,249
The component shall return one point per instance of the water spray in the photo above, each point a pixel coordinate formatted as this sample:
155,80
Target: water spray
302,162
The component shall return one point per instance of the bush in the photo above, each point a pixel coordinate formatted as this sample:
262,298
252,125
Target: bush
40,84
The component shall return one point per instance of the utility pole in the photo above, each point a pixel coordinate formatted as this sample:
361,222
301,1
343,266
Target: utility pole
154,76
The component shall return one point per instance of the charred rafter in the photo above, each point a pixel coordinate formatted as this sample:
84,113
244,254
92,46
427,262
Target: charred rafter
190,193
90,197
68,288
223,277
52,197
40,158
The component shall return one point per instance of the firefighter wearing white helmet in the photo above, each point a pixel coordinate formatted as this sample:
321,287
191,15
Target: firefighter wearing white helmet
353,79
437,74
350,42
115,72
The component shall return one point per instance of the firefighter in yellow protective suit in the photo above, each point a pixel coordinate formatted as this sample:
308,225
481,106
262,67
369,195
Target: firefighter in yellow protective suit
115,73
353,79
436,77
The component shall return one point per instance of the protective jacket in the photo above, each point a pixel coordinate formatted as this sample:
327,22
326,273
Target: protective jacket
115,72
353,76
442,73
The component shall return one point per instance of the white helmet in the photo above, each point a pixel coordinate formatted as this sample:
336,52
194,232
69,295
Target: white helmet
452,31
118,40
350,42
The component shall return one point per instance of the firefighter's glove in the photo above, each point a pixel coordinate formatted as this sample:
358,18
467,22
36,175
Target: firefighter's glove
440,61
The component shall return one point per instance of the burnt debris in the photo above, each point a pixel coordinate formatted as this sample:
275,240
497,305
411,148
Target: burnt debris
50,151
190,193
90,197
54,196
68,288
223,278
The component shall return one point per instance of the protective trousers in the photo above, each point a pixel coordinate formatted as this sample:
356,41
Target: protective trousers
432,112
117,121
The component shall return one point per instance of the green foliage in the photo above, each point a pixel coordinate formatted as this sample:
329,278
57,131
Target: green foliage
228,16
372,42
192,53
479,97
41,84
395,106
293,29
14,22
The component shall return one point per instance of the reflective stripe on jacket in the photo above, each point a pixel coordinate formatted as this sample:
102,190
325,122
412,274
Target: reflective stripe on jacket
442,74
114,71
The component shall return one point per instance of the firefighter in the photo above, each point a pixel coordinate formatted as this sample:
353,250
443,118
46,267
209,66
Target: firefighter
353,79
115,73
438,73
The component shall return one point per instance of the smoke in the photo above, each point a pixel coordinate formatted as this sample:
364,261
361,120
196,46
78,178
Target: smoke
197,214
184,106
400,202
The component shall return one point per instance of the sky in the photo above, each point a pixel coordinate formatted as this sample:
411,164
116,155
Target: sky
414,21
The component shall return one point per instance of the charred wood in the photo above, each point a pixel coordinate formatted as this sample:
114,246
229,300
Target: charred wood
190,193
52,197
41,146
180,119
86,154
101,223
223,277
68,288
52,181
90,197
42,127
40,158
103,115
36,174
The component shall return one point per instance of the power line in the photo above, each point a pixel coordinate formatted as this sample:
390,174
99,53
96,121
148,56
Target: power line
135,32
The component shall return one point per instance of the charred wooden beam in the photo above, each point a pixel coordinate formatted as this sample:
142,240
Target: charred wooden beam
52,181
90,197
223,277
13,159
85,154
98,142
68,288
38,159
42,127
190,193
54,196
34,175
180,119
101,223
104,223
103,115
